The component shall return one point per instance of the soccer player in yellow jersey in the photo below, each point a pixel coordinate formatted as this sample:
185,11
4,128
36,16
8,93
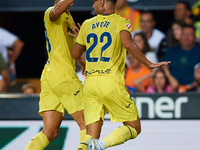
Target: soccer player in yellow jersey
61,89
106,38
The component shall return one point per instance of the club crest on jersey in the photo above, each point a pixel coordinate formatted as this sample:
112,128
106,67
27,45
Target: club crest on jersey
128,26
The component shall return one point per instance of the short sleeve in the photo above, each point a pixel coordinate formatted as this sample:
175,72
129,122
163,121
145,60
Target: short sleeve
47,13
81,36
125,25
7,38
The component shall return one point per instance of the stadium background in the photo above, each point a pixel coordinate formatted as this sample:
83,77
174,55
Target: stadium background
25,19
169,122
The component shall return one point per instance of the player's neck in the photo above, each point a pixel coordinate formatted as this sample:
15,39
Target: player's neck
108,10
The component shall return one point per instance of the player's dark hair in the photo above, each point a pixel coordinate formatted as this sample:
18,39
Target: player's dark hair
148,12
187,4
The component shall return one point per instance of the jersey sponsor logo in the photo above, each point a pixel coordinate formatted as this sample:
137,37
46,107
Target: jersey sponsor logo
100,24
162,107
107,71
128,26
76,93
128,105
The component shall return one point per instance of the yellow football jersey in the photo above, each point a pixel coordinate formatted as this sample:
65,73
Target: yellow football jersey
105,54
59,46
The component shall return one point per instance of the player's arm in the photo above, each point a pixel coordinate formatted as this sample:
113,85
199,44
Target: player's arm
61,7
77,51
133,49
79,46
82,61
77,54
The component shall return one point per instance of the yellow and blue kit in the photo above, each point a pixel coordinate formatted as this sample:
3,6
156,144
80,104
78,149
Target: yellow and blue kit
104,87
60,87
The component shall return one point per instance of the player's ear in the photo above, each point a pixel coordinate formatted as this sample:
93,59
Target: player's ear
102,3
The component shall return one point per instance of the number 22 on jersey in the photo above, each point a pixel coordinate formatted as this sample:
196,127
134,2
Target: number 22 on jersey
95,43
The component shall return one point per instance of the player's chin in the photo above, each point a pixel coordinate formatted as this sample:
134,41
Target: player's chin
96,11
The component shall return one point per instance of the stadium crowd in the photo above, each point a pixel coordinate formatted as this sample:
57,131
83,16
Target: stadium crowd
180,45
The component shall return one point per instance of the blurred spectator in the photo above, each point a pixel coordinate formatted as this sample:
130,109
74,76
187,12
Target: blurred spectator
162,81
182,12
134,71
196,83
196,19
13,43
195,86
175,33
28,89
4,76
142,43
173,37
121,8
154,36
184,56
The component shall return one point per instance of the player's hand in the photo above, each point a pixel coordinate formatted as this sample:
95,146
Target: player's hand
76,30
155,65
